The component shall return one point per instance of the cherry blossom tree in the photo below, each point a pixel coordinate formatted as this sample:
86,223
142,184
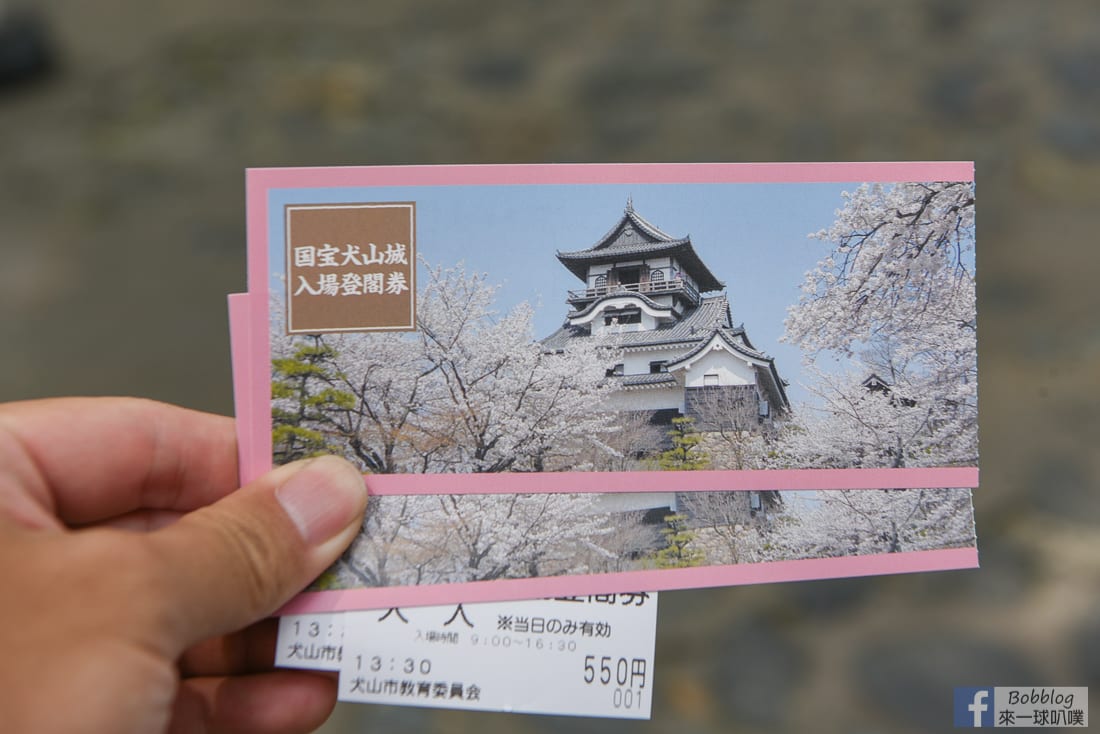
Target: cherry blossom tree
460,538
887,323
506,404
901,266
632,446
483,537
623,545
384,388
892,302
833,523
385,553
865,521
720,520
468,391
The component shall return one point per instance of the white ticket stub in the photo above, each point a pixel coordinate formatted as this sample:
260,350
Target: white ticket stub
310,641
582,656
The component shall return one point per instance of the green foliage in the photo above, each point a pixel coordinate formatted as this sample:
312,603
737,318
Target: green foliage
306,401
686,453
678,552
327,581
306,442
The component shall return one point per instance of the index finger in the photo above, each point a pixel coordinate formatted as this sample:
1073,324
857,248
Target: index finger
89,459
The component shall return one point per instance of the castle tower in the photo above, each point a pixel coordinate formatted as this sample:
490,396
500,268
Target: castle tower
650,295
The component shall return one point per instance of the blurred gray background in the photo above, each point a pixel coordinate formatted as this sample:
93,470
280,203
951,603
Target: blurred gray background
122,229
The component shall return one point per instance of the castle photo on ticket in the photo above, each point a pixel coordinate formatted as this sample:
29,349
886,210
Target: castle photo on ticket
650,369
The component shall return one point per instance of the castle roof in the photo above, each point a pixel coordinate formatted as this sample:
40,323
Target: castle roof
620,294
729,337
765,365
647,380
693,332
634,238
697,323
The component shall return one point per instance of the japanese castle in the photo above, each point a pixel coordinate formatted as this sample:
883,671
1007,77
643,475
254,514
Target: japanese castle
645,291
650,296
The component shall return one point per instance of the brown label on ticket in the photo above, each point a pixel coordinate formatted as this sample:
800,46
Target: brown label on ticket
351,267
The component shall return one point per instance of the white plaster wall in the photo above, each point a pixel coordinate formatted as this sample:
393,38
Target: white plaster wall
651,399
596,318
633,501
731,370
660,263
637,363
665,299
599,328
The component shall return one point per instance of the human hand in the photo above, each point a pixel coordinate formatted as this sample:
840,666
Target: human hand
133,575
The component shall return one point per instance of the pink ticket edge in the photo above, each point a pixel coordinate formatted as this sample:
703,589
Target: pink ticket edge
611,173
659,481
246,392
240,352
810,569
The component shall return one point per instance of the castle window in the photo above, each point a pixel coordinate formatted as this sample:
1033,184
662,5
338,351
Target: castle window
616,371
710,380
631,316
628,276
658,366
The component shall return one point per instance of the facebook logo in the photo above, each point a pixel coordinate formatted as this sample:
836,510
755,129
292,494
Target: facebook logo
973,707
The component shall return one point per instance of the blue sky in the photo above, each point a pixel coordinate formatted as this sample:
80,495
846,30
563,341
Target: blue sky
752,236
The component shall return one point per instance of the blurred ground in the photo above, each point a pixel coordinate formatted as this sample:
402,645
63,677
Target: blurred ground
122,227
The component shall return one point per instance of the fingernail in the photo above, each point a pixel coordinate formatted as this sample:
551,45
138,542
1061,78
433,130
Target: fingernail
322,498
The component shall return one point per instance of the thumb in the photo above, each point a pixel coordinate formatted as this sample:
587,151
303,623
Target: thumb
237,561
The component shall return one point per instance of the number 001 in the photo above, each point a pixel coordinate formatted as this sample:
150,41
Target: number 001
626,698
